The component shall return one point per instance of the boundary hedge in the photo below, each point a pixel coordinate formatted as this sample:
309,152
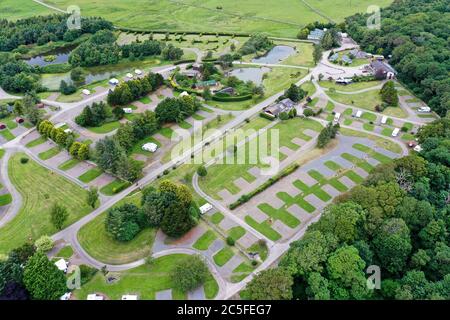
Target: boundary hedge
246,197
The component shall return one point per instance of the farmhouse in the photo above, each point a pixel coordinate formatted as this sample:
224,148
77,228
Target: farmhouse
382,70
316,35
284,105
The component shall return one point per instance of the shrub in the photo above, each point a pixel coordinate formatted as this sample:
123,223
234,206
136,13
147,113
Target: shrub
230,241
44,244
86,273
308,112
24,160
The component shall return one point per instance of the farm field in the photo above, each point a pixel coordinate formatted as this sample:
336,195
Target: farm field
212,15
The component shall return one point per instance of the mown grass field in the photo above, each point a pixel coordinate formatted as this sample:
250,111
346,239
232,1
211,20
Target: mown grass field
276,17
144,281
40,189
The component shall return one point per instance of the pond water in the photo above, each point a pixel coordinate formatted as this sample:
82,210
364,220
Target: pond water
95,74
61,54
250,74
277,54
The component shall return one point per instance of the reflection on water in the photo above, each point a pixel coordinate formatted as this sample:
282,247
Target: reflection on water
277,54
61,56
250,74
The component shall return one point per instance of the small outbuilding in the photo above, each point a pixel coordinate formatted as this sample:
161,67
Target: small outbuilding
94,296
62,265
150,147
205,208
113,81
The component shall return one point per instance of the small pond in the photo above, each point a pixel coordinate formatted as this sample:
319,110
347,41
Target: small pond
277,54
250,74
61,56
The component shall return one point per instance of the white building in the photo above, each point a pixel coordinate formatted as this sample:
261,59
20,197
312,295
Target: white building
150,146
113,81
62,265
205,208
127,110
94,296
129,297
86,92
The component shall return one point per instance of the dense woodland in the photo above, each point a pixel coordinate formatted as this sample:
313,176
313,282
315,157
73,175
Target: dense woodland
41,30
416,33
398,219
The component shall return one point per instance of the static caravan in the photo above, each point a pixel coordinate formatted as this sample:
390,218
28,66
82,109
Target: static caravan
358,114
424,109
337,116
395,132
384,120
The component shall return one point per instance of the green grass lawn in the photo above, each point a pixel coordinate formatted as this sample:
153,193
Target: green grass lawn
197,117
2,153
205,240
137,149
5,133
236,233
356,86
217,217
117,184
5,199
105,128
369,116
380,142
332,165
368,126
65,252
50,153
100,245
90,175
280,214
329,107
35,142
37,187
166,132
69,164
185,125
263,227
223,256
145,100
387,132
144,281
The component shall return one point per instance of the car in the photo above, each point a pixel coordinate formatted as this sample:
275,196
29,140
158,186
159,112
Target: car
424,109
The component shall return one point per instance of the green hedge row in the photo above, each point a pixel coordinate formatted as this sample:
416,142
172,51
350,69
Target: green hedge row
232,98
246,197
206,33
184,61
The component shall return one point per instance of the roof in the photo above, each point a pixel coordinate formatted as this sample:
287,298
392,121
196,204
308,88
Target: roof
316,34
346,58
206,83
334,57
380,66
205,208
61,264
288,103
